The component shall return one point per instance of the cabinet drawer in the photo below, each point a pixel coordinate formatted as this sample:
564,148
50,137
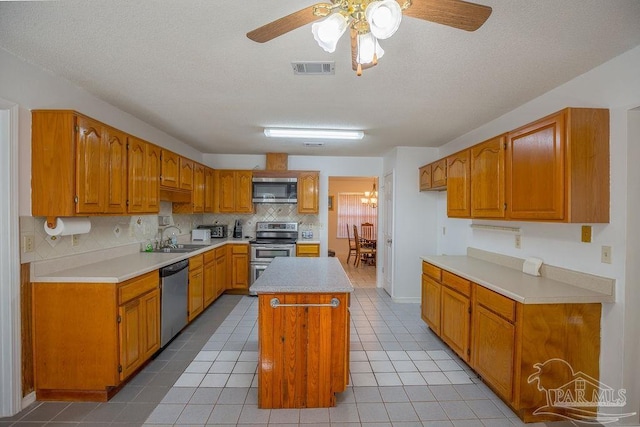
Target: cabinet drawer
195,262
239,249
133,288
497,303
220,252
209,256
308,250
457,283
431,271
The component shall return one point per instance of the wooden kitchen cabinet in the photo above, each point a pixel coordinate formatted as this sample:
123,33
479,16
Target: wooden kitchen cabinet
170,169
143,177
209,293
221,271
487,179
234,191
459,185
90,337
308,192
557,168
209,190
79,165
455,314
433,176
307,249
239,268
187,170
431,297
196,196
196,287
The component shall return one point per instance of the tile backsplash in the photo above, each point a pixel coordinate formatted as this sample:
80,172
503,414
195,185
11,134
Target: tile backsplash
113,231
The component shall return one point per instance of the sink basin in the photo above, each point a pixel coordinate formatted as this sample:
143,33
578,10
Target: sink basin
179,249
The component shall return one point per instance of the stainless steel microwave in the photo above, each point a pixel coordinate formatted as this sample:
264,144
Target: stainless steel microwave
275,190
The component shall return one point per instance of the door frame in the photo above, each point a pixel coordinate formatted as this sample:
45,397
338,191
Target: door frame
388,190
10,335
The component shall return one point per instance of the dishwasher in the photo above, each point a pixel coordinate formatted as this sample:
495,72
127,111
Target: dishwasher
174,289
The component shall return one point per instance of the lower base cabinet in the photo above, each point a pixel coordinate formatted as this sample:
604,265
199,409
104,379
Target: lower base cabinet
90,337
239,269
307,250
196,286
513,347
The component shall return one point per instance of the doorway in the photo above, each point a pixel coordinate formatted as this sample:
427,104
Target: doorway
346,208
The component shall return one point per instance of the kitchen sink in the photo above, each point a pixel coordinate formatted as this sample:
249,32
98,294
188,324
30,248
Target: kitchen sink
179,249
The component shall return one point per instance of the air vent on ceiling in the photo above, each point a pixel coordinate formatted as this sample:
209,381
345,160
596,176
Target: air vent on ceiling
313,144
314,68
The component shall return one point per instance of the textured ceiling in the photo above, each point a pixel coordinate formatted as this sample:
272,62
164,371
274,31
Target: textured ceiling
186,67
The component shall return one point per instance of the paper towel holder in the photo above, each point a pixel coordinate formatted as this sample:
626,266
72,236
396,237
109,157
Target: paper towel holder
52,221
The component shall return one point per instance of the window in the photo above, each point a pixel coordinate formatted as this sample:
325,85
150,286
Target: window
352,211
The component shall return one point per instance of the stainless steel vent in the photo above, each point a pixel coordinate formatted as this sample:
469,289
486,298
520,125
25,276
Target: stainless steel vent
314,68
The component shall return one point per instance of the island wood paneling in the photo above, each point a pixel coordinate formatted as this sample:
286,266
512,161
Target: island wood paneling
304,351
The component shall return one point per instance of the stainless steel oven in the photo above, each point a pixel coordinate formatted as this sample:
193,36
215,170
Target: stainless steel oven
273,239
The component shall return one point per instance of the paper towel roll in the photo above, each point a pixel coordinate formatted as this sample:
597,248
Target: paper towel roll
532,266
68,226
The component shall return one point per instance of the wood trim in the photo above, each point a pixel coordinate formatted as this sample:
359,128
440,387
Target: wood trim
26,329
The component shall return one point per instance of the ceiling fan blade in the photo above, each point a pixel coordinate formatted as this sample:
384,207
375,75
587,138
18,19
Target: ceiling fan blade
354,54
283,25
454,13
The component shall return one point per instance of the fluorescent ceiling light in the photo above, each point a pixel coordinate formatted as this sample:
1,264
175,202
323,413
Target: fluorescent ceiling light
313,133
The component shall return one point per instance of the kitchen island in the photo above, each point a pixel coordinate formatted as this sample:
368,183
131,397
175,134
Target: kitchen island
303,332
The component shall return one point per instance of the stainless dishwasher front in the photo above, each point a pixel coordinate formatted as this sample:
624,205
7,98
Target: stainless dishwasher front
174,288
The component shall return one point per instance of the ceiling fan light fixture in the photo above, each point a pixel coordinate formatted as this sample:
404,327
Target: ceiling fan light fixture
369,49
328,31
313,133
384,18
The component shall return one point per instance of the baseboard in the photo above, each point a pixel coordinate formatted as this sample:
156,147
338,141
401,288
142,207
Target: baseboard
406,300
28,399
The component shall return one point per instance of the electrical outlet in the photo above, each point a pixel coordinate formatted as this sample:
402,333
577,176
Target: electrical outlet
28,243
75,240
586,234
518,241
606,255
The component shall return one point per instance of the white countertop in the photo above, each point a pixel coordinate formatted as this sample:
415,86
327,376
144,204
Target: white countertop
122,268
515,284
303,275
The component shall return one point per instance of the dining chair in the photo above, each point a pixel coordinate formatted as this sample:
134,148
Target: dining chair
366,231
352,245
362,252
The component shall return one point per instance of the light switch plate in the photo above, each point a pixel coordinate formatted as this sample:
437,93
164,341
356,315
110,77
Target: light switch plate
586,234
606,255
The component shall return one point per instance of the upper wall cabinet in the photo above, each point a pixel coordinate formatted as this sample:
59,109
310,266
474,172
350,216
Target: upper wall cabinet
170,176
143,177
79,165
308,184
557,168
434,176
458,185
487,179
425,177
234,190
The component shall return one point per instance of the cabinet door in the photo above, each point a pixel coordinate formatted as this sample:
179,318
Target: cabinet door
431,303
152,178
137,173
459,185
209,286
308,250
151,323
455,321
209,190
221,271
90,166
170,169
226,193
239,267
439,174
487,179
115,185
243,192
196,288
198,188
535,171
131,339
308,192
186,174
493,350
425,177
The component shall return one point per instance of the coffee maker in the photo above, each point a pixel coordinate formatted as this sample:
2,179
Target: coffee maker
237,229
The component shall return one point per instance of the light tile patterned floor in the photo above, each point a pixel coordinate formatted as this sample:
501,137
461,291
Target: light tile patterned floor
401,375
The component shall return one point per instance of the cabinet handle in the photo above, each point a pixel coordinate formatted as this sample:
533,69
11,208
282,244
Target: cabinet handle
275,303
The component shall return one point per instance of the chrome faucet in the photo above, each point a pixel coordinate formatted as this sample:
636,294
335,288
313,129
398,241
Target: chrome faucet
168,241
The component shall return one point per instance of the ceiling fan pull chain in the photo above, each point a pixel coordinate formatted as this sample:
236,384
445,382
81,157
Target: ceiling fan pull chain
359,70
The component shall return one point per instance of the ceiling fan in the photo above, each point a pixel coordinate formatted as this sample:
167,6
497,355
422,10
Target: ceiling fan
370,21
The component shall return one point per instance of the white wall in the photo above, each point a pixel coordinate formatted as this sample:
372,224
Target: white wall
32,88
614,85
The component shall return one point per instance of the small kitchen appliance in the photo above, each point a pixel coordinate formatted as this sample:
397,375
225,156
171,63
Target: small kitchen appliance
218,231
275,190
200,235
237,229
